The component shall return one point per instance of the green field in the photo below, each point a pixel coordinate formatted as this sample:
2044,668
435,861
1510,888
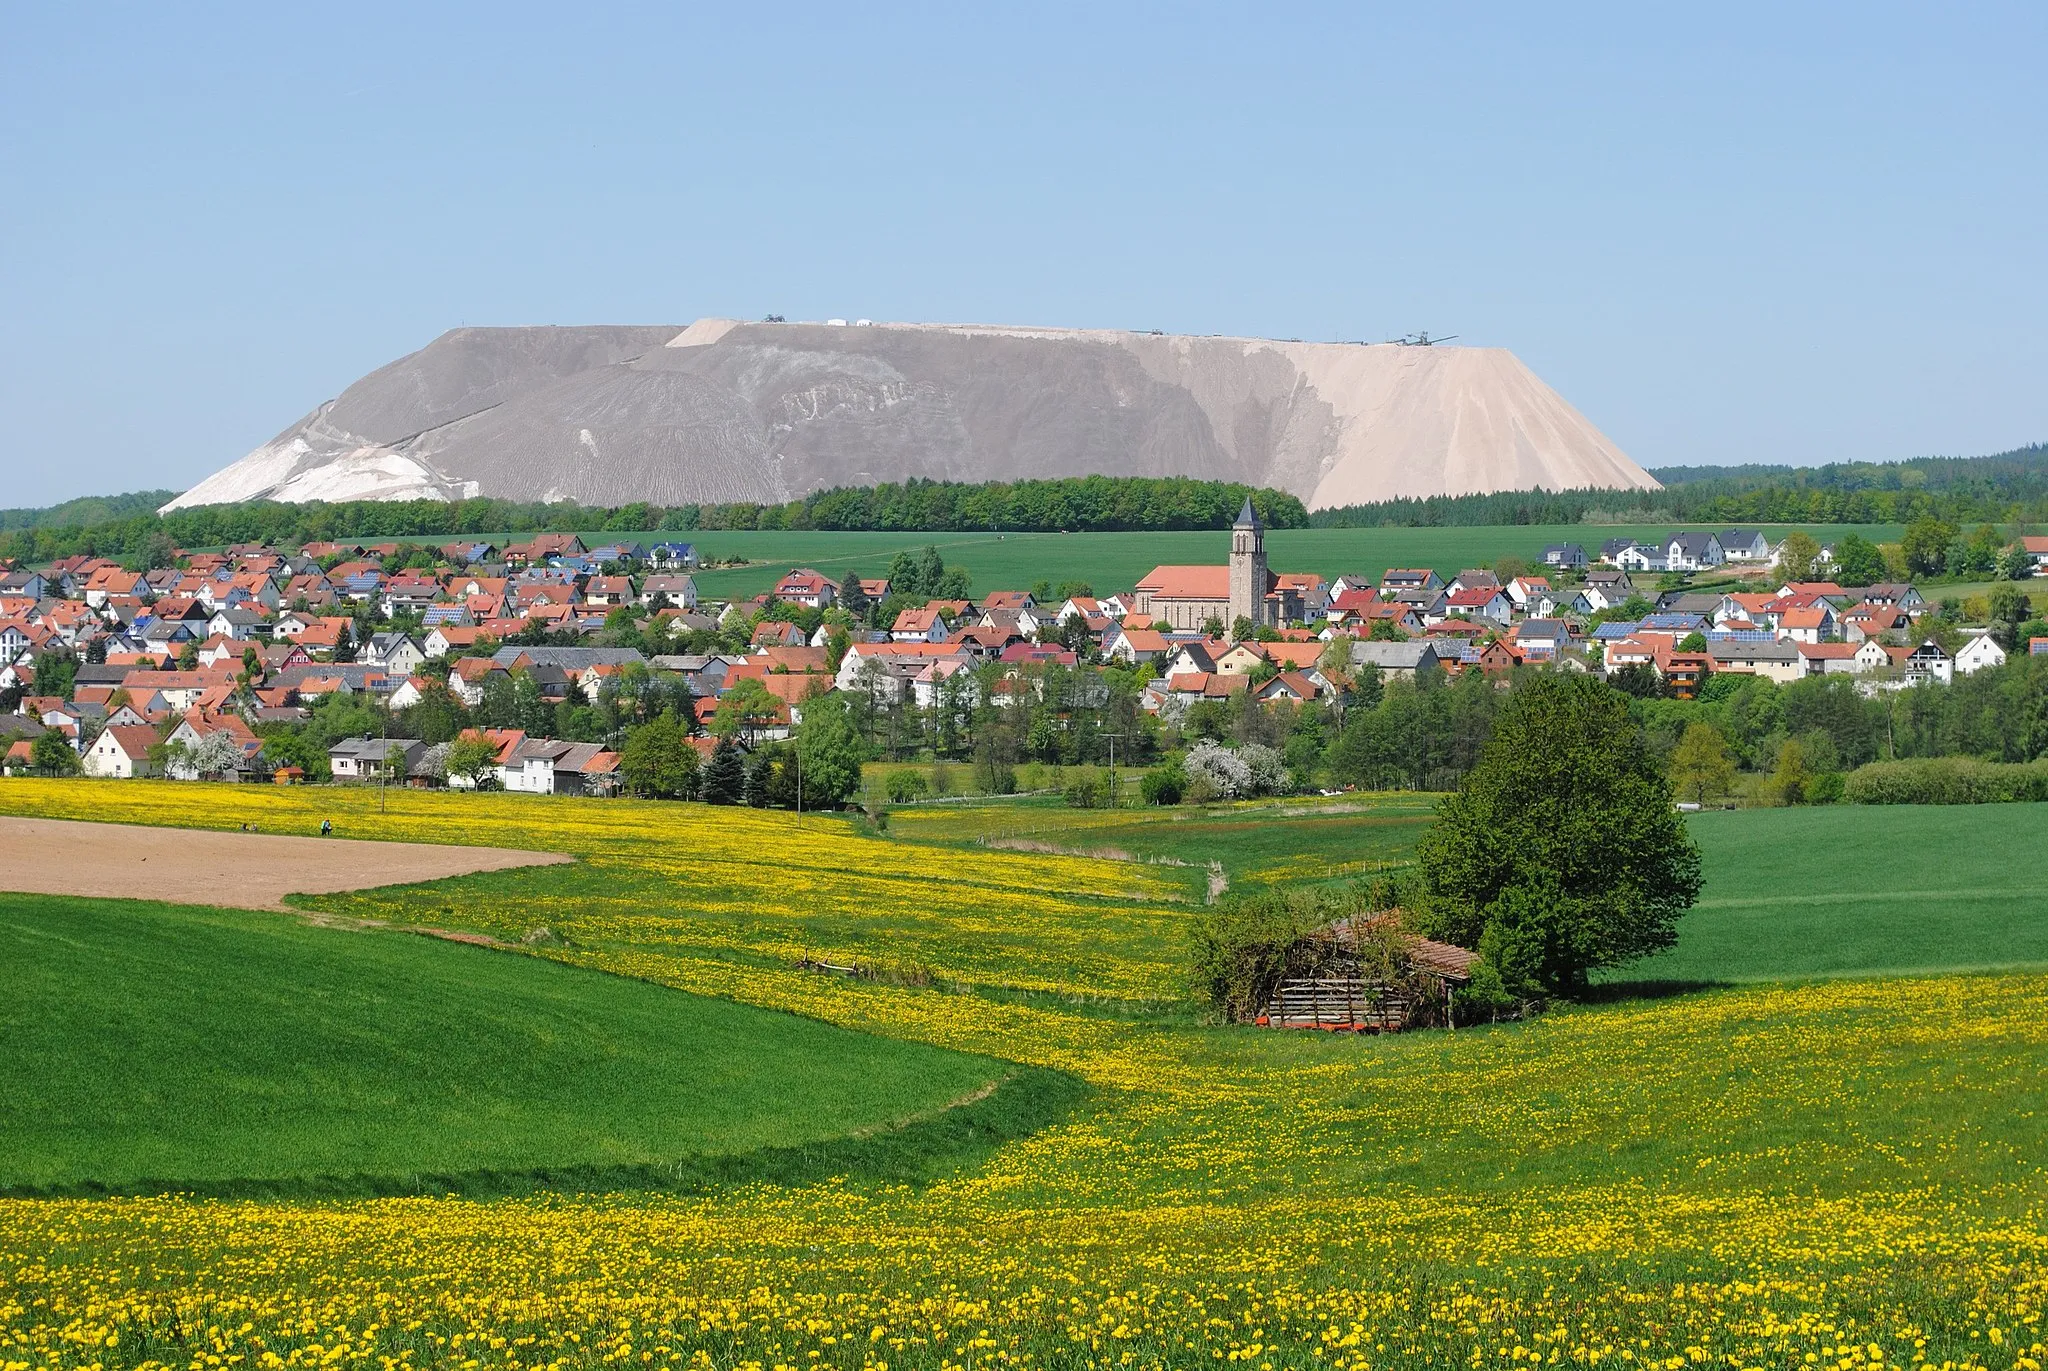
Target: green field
1115,561
157,1044
1856,890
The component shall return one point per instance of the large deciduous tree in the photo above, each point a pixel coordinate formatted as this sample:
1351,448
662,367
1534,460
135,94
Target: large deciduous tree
1562,853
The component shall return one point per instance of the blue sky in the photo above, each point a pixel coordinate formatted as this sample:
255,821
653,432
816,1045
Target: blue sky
1729,233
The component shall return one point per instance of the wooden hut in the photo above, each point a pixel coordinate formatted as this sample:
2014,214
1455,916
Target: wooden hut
1366,975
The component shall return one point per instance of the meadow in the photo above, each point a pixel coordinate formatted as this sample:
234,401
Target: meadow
1844,1173
154,1046
1115,561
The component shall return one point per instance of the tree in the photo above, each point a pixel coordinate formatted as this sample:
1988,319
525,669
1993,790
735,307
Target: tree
1796,555
52,754
1694,641
658,761
1639,679
1790,782
1926,545
1561,852
2010,608
475,759
1858,562
724,778
829,748
746,708
852,598
2015,563
1701,765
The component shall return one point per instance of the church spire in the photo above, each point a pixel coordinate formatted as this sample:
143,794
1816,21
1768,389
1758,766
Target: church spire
1247,517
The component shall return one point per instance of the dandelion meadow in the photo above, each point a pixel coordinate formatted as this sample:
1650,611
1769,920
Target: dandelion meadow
1845,1174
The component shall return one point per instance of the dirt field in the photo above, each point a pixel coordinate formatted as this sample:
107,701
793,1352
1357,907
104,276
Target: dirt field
198,866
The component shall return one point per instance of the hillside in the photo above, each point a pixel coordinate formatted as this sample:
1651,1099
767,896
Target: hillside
724,411
216,1048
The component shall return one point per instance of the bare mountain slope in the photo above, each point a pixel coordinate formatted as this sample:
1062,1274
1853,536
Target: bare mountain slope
725,411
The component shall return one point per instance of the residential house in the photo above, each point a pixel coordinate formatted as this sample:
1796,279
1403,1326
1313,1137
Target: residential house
1745,545
1774,660
1566,556
679,589
397,653
1134,645
1637,557
372,759
1397,660
672,556
926,625
544,766
1831,659
120,752
1524,590
1875,655
1398,579
2036,548
1811,624
1693,552
1979,652
1928,662
804,586
1487,602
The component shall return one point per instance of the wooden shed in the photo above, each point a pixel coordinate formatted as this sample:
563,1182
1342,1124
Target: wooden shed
1367,974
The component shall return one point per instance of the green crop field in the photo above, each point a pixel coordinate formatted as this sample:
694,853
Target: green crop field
167,1045
1115,561
1814,1173
1855,890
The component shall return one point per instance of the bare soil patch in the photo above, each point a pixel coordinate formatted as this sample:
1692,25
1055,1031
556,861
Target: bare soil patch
203,866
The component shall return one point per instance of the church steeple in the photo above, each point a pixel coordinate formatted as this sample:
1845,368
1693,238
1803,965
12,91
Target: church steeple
1248,577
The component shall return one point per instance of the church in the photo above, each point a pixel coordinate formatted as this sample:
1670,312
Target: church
1187,597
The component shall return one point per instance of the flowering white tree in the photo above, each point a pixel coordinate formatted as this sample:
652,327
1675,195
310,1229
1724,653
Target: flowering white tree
1268,770
1216,773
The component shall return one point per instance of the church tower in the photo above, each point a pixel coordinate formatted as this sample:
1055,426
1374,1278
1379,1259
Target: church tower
1248,579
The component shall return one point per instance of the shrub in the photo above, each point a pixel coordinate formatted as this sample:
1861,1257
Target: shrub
1087,791
1165,786
1947,781
907,785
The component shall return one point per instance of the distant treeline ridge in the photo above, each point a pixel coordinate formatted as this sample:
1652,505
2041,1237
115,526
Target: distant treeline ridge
1958,490
1090,504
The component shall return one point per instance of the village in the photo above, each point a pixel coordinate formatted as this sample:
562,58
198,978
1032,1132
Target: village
200,668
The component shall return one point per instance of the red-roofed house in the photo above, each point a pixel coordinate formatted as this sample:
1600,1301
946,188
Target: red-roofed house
803,586
121,752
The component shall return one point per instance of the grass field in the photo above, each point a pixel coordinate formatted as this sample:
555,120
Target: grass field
1855,890
1115,561
173,1046
1840,1174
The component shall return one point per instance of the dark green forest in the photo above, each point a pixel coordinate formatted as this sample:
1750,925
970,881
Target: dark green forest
127,527
2005,487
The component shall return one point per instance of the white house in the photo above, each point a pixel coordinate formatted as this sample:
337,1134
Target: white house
397,653
1746,545
120,752
1871,656
1636,557
1980,652
1929,663
680,589
1693,552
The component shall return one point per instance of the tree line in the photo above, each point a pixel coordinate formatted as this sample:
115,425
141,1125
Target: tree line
2007,487
117,528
